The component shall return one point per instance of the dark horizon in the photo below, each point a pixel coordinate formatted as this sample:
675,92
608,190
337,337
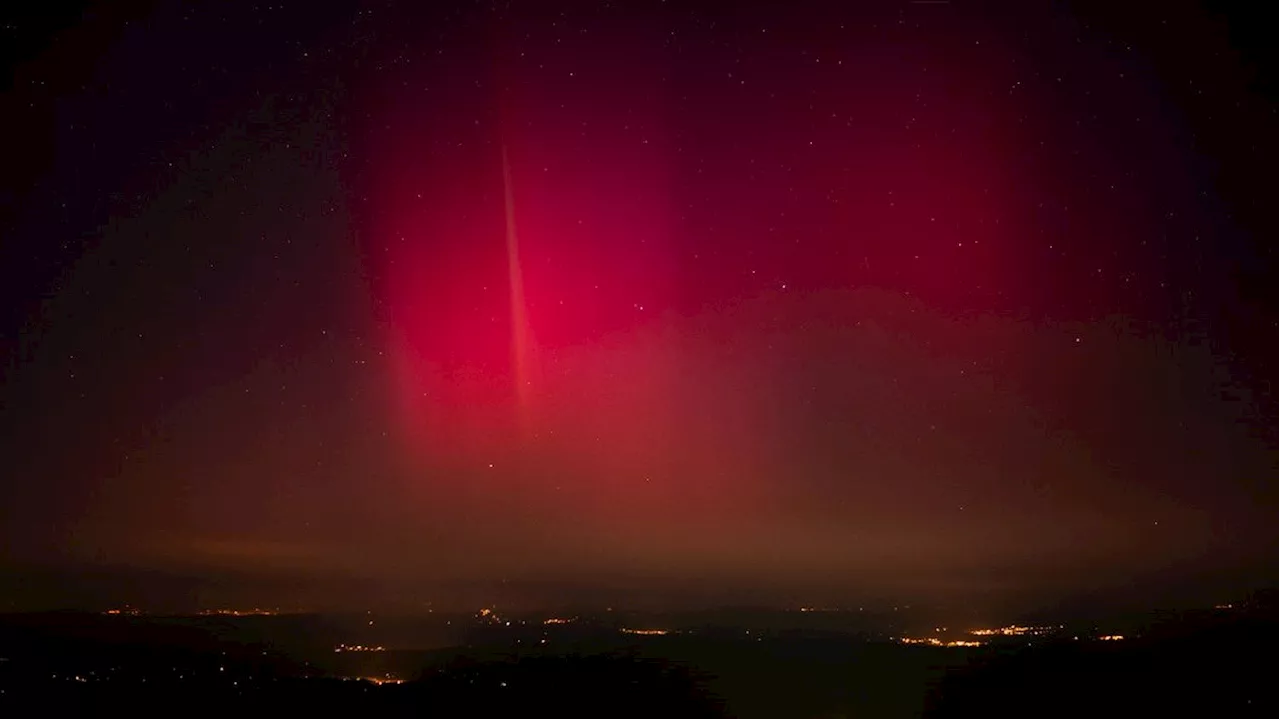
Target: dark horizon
98,589
687,304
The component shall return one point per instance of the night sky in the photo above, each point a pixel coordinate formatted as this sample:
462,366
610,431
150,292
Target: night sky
344,304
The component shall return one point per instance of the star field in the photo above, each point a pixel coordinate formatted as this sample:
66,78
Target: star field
687,299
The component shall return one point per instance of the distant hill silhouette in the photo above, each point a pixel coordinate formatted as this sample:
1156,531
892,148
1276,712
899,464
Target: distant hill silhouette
1199,665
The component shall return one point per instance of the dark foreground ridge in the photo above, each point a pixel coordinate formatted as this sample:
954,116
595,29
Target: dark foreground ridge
1198,667
582,686
1208,664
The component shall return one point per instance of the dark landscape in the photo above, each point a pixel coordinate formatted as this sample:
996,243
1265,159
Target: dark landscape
638,358
701,664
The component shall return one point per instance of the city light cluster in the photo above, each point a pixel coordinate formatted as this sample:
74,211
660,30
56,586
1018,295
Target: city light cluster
646,632
254,612
557,620
358,648
1013,630
1111,637
935,642
385,679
